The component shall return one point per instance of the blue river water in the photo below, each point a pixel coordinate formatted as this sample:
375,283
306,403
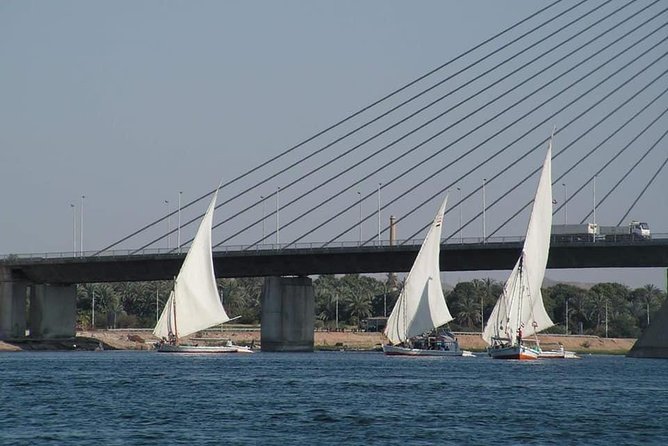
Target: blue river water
147,398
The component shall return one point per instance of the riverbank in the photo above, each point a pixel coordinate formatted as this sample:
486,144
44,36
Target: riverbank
129,339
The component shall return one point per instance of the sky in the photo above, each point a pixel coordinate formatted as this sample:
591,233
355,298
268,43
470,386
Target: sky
129,103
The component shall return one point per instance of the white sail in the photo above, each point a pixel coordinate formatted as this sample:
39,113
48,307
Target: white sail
195,303
165,325
521,303
421,305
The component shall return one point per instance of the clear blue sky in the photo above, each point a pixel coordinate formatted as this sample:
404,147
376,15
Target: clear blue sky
130,102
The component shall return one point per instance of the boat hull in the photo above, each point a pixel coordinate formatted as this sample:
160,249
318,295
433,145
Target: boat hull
517,352
405,351
557,354
169,348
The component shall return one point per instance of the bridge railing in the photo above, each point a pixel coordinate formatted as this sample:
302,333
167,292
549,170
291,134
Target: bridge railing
299,246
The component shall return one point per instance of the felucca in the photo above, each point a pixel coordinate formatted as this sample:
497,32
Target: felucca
421,308
194,303
519,310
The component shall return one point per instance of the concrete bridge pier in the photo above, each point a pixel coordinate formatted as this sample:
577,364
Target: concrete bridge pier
288,314
53,311
12,306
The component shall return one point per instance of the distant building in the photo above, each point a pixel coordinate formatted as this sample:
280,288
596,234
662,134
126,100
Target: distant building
374,324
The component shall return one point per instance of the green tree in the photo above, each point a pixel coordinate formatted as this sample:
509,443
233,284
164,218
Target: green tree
464,304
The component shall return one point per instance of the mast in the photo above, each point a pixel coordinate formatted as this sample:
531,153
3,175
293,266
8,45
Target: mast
519,307
176,332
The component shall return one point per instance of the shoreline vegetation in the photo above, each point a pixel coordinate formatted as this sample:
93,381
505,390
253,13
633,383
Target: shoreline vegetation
134,339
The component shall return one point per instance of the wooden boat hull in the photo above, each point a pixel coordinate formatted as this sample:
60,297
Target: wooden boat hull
169,348
517,352
557,354
405,351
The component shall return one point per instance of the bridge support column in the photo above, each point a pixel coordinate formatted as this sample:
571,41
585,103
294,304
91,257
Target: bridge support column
53,311
288,314
12,306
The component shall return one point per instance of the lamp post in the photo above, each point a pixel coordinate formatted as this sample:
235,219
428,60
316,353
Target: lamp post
359,200
178,228
74,229
594,221
93,311
81,226
337,312
157,305
482,313
606,318
263,215
169,227
565,203
278,209
484,230
461,236
379,185
566,315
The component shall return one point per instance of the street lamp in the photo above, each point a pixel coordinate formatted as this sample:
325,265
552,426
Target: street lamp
93,308
482,313
169,227
81,226
157,305
565,203
606,318
337,312
263,215
379,185
359,199
74,229
594,221
566,315
278,208
178,229
484,180
461,236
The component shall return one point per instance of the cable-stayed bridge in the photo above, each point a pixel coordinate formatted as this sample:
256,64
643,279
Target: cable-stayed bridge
475,127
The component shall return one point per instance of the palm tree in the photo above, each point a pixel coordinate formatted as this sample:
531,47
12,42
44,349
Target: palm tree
650,294
359,306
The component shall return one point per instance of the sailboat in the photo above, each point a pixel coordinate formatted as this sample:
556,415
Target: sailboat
421,308
194,303
519,310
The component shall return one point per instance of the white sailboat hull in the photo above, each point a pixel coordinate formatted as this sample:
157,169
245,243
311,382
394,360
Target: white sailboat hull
169,348
518,352
558,353
405,351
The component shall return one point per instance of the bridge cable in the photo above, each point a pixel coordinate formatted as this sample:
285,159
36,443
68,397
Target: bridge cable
644,189
337,124
629,171
406,153
534,128
450,92
352,206
570,145
544,141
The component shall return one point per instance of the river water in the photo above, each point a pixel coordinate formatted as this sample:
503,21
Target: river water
146,398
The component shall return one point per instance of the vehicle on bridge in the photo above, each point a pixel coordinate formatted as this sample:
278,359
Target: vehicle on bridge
633,231
586,232
591,232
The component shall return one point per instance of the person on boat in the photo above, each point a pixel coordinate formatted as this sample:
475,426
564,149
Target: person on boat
519,335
